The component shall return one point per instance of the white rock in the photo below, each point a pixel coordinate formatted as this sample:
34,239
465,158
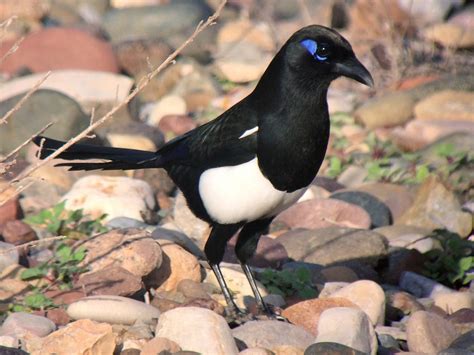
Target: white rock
113,309
347,326
167,105
117,196
19,324
197,329
9,341
454,301
421,286
8,255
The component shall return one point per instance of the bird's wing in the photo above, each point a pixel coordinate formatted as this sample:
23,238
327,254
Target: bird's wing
217,143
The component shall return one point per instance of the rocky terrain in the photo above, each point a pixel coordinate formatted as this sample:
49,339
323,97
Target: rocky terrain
376,257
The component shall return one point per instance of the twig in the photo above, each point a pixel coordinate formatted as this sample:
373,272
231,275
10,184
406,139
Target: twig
140,86
32,243
4,119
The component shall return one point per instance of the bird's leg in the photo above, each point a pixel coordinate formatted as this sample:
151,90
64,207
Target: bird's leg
214,250
245,248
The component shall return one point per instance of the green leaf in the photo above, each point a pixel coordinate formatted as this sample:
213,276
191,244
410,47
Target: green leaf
38,301
79,254
466,263
445,150
34,273
422,172
58,209
36,219
64,253
307,293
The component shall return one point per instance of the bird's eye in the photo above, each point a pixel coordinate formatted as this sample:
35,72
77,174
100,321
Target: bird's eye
319,51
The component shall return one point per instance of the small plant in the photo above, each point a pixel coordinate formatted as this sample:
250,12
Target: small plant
453,264
59,221
288,282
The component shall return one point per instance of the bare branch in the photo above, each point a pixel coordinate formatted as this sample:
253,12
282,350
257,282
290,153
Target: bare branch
33,243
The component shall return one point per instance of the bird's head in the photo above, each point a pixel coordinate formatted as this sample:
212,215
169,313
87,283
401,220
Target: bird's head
323,54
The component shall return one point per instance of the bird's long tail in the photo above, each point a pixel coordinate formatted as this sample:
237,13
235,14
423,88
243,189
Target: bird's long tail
115,158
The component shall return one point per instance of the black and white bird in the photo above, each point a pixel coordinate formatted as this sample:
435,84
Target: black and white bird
240,170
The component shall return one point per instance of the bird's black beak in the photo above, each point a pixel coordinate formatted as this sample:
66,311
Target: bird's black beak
354,69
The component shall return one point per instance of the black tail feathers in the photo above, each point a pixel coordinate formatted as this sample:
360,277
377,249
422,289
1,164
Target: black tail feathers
115,158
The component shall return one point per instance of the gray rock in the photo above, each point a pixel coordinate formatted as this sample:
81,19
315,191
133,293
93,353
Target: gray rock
330,348
380,214
45,106
162,235
464,342
197,329
334,244
429,11
270,334
421,286
113,309
4,350
8,255
20,324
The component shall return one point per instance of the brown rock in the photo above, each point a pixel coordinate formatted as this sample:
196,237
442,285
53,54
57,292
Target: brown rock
429,333
404,302
81,337
18,232
64,297
450,35
321,213
306,313
192,289
177,265
58,316
455,301
448,105
157,345
210,304
339,274
59,48
10,210
465,315
176,125
113,280
11,289
28,9
131,249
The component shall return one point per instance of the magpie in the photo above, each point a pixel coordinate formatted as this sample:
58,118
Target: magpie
256,159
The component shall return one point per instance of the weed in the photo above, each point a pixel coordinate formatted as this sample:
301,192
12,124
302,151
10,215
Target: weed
288,282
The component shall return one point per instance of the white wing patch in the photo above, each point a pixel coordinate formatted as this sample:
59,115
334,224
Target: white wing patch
249,132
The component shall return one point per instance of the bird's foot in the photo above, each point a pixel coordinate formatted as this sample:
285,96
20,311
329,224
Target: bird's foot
235,316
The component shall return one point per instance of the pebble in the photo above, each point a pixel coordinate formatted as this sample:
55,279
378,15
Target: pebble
130,141
9,341
437,207
18,232
403,302
270,334
113,280
454,301
165,235
450,35
43,105
322,213
347,326
113,309
339,273
167,105
192,289
256,351
306,314
326,246
81,337
429,333
465,342
352,176
132,249
368,296
158,345
8,255
331,349
403,260
59,48
429,11
465,315
179,325
447,105
21,324
421,286
12,288
176,125
10,210
379,213
116,196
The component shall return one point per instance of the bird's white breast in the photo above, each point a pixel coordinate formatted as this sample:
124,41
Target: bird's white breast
233,194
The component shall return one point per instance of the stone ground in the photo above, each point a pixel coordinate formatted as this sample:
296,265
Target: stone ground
376,258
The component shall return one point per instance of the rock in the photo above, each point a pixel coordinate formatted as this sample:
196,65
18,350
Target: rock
177,265
21,324
58,316
158,345
454,301
339,273
176,125
401,261
334,244
403,302
306,314
256,351
269,253
43,105
450,35
270,334
395,333
464,315
116,196
131,249
165,236
9,341
368,296
167,105
10,209
59,48
418,134
403,236
113,280
331,349
179,325
8,255
18,232
316,213
421,286
436,207
340,101
113,309
134,135
84,86
464,342
64,297
446,105
29,9
188,223
192,289
429,333
352,176
396,197
430,11
80,337
131,141
12,288
379,213
238,285
347,326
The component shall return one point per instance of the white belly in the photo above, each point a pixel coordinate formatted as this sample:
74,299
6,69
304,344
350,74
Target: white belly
233,194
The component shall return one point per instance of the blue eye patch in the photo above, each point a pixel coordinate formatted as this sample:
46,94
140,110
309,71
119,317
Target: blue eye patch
312,47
